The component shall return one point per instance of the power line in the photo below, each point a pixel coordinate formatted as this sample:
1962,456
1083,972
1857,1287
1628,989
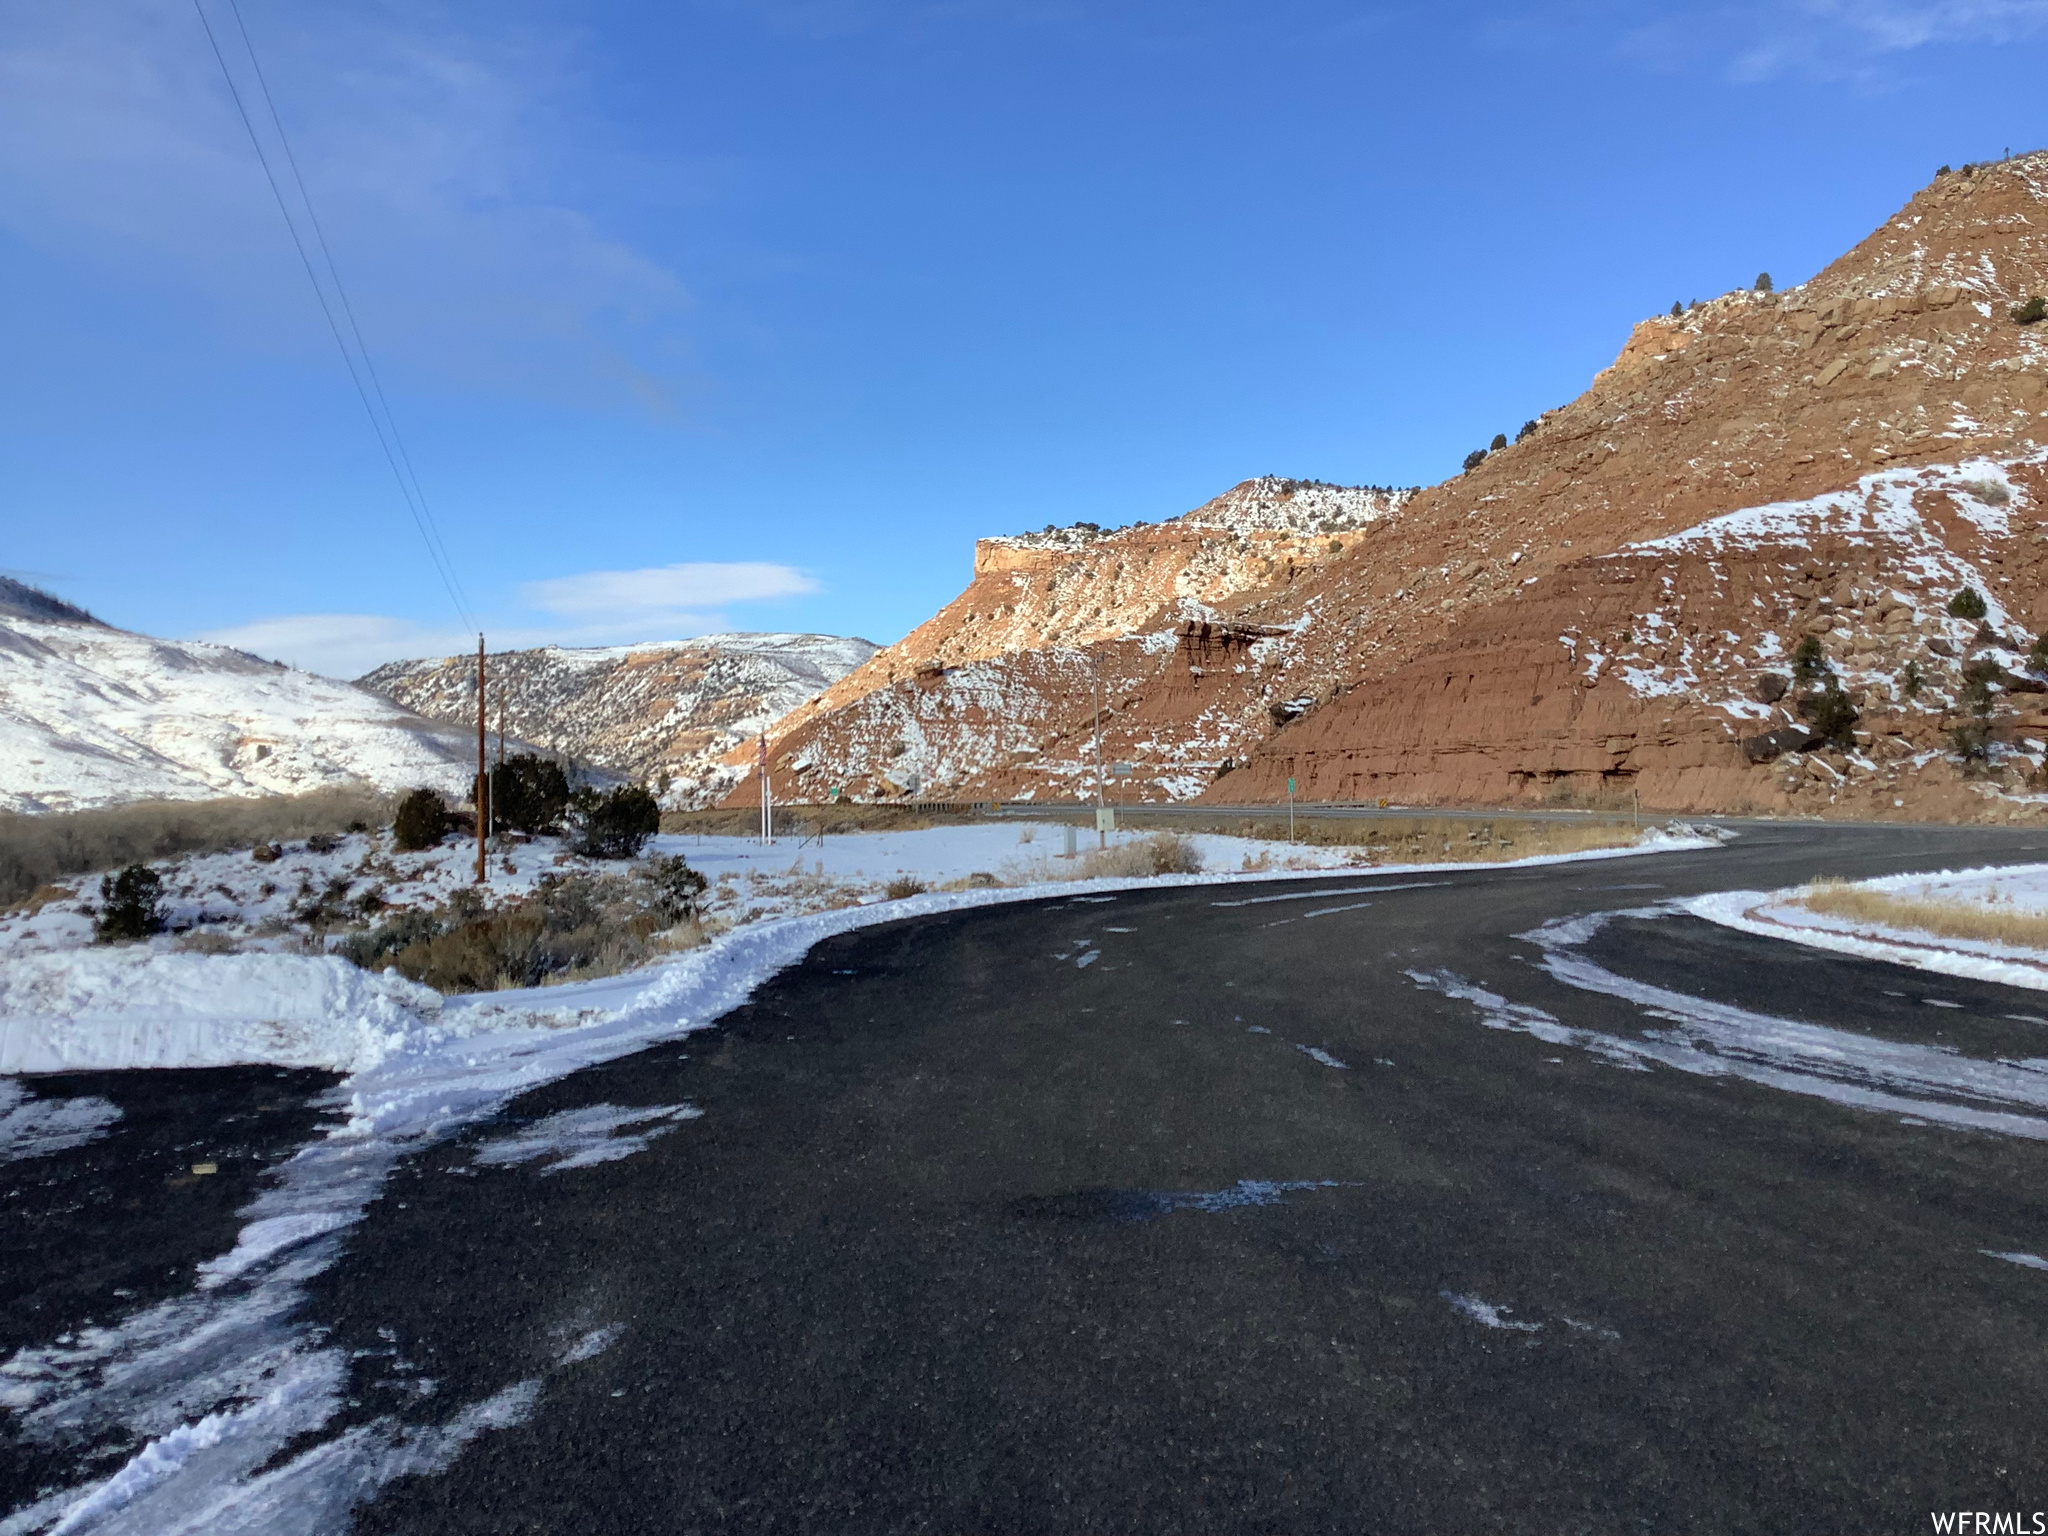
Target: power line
419,491
392,444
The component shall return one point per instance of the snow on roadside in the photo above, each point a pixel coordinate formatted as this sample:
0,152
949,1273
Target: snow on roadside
90,1010
2011,888
241,1342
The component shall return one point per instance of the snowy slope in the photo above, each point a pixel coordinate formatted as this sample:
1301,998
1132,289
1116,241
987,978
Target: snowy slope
93,716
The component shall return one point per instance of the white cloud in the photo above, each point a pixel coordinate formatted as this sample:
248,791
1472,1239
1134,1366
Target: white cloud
436,159
652,594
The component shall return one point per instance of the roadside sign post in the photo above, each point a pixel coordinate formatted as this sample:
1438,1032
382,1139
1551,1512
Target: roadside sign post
1290,808
1102,823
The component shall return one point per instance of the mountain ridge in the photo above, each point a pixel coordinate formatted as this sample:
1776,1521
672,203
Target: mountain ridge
665,712
1426,658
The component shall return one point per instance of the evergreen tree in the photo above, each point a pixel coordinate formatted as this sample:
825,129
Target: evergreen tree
131,905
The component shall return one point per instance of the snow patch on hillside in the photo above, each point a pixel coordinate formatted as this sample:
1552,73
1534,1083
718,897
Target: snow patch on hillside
92,716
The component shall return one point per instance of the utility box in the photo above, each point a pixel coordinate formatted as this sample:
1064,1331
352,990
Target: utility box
1105,818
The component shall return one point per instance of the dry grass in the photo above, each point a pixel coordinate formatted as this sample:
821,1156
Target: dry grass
1431,839
1163,853
1979,920
800,820
39,850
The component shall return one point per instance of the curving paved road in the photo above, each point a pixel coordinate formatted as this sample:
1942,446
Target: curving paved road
1295,1207
973,1236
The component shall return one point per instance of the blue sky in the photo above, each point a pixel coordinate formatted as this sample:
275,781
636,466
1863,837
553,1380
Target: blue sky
708,315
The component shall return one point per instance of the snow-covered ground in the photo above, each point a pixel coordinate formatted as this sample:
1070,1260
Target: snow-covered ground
420,1068
2010,889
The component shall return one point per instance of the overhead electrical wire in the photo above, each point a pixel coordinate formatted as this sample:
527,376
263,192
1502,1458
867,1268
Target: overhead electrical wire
385,425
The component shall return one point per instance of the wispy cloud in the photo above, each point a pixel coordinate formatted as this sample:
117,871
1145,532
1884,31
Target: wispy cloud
1748,43
436,158
625,596
668,602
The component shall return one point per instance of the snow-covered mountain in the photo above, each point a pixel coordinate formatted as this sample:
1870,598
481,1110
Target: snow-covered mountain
659,711
91,716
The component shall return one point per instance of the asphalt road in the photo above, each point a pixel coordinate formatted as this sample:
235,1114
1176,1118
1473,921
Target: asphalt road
979,1233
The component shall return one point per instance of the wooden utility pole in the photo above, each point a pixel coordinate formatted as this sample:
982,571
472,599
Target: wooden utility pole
483,778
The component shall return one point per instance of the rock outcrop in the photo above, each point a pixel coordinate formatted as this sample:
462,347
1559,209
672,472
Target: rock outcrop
1588,616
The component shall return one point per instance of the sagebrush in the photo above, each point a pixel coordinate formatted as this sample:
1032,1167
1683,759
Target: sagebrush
568,929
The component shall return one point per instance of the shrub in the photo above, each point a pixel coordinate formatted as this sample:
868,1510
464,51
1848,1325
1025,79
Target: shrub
675,885
528,793
2037,658
373,949
1972,742
1809,660
1831,715
1763,282
1528,430
2032,310
420,821
1910,681
1978,678
903,886
1967,604
131,905
589,925
1500,441
1475,458
616,824
1163,853
1173,853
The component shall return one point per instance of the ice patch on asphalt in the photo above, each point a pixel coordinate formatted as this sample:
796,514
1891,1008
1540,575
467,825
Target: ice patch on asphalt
1356,890
1713,1039
1496,1012
1317,1053
33,1127
1245,1192
2025,1260
592,1344
583,1138
1487,1314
